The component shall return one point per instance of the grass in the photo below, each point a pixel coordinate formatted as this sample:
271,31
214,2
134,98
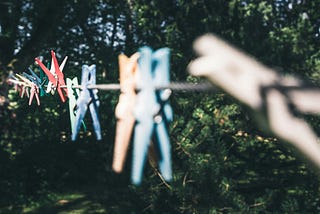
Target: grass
71,203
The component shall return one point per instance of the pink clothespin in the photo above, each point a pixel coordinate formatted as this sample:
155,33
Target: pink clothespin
24,90
19,86
124,109
34,91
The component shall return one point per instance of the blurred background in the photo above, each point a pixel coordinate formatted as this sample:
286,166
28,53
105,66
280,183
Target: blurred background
222,163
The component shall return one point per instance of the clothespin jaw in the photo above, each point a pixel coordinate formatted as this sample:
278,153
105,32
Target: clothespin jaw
24,90
124,109
127,68
162,77
152,112
56,77
87,98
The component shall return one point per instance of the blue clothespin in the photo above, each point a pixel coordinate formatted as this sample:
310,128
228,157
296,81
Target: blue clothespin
153,113
87,98
29,77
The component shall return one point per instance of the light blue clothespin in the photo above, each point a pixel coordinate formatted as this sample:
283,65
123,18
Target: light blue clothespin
30,77
73,94
152,112
87,98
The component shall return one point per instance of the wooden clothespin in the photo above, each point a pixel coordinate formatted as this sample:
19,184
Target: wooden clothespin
124,109
270,95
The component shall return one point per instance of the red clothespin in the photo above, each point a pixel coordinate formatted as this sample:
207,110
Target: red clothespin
57,79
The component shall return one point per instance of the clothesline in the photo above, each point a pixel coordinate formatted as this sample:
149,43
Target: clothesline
176,86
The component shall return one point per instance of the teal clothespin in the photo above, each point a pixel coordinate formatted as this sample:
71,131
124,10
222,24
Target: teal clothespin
152,112
44,81
73,93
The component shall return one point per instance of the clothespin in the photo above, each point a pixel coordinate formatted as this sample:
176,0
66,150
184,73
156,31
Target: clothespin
124,109
38,81
152,112
50,87
87,98
29,83
55,75
45,81
24,90
34,90
33,78
13,80
19,86
73,94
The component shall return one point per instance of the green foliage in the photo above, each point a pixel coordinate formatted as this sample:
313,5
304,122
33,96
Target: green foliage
223,162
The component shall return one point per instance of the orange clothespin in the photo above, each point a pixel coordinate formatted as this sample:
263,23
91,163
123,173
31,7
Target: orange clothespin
124,109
